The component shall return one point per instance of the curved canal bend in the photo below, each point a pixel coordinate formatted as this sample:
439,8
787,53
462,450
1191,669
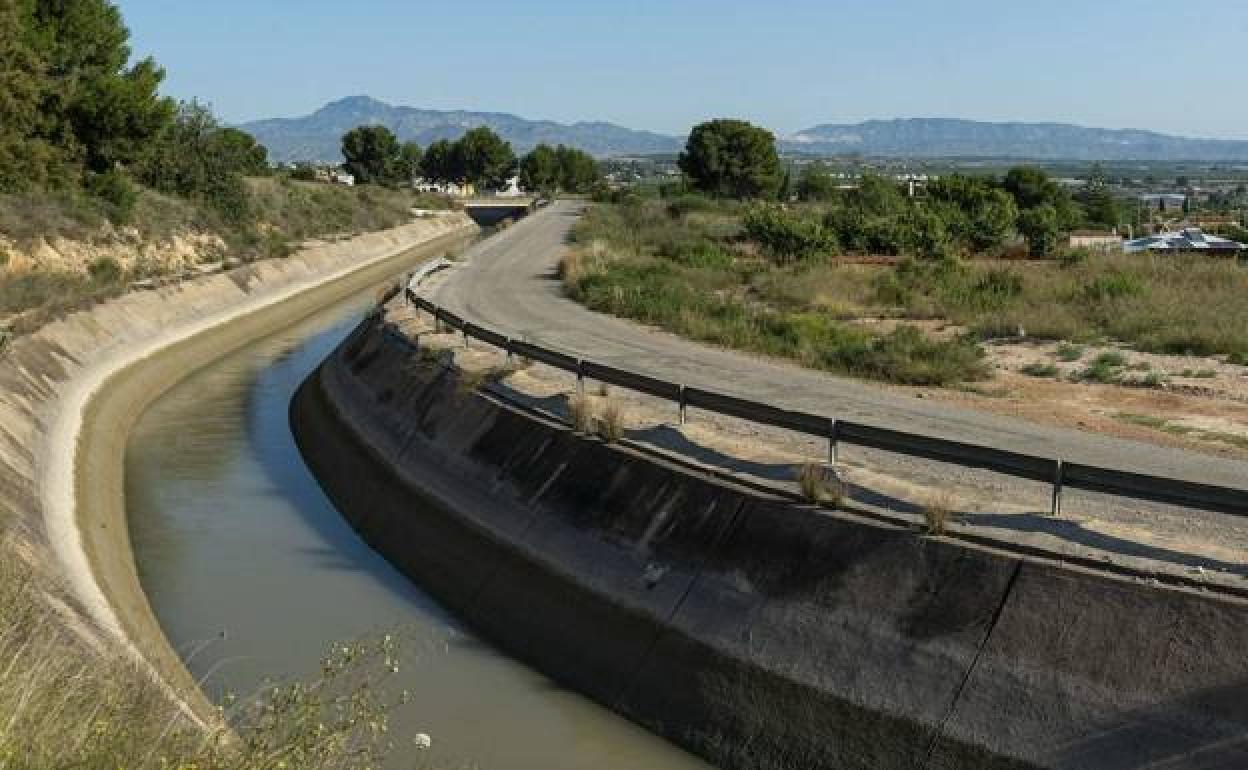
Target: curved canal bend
253,574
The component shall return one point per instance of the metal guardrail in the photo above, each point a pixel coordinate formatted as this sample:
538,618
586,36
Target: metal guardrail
1044,469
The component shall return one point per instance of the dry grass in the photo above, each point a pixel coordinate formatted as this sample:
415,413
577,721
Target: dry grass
820,485
938,514
581,414
65,705
611,423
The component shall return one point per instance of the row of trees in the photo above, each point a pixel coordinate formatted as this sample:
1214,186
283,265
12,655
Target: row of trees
374,155
548,170
734,159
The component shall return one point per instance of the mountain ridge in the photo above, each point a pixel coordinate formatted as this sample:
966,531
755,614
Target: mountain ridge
316,137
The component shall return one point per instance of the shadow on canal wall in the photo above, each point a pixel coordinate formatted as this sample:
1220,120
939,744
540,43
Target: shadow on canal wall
755,631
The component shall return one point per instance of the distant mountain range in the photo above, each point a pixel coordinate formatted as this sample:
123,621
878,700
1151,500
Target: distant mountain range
316,137
946,137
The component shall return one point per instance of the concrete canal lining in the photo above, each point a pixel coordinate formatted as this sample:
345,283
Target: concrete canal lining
73,390
758,632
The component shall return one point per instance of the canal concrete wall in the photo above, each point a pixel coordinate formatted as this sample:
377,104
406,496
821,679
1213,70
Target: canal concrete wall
70,393
756,631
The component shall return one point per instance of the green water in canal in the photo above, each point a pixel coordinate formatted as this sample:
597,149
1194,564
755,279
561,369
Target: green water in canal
253,575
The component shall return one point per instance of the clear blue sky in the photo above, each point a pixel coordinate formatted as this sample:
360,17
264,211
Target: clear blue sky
663,65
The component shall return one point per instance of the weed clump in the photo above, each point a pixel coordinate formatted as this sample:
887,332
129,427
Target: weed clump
819,484
938,513
611,423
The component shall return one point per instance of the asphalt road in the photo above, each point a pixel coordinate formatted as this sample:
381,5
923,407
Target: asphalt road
508,283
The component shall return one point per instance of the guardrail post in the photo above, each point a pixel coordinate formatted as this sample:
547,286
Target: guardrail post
580,378
507,349
834,444
1058,482
684,407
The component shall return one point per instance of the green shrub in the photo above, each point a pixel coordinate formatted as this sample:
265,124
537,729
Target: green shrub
787,236
115,189
1068,352
1040,370
1111,358
105,271
1113,285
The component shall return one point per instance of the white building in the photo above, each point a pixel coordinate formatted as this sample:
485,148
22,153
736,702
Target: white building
1187,239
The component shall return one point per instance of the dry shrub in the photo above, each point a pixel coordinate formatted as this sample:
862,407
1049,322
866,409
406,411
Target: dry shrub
581,414
611,423
938,513
820,484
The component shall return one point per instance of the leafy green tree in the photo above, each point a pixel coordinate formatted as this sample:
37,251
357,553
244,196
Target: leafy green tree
578,171
816,184
1098,202
539,170
69,97
372,154
240,152
484,159
409,163
1031,187
195,158
439,163
785,192
98,105
1040,226
733,159
978,213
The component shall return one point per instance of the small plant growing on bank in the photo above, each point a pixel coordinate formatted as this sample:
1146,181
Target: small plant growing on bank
611,423
820,485
1069,353
938,514
580,414
1040,370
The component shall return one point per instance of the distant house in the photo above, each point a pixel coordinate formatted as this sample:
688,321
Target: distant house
341,177
1164,201
1099,240
444,188
1189,239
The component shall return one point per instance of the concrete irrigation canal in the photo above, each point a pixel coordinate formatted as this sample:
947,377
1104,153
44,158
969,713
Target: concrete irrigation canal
252,573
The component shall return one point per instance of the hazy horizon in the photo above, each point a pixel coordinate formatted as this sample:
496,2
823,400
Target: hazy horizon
664,69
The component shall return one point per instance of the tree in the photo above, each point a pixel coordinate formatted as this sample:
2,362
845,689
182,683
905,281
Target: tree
732,158
1098,202
1031,187
439,164
372,154
69,98
1039,225
195,158
409,163
816,184
539,170
578,171
484,159
97,106
240,152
